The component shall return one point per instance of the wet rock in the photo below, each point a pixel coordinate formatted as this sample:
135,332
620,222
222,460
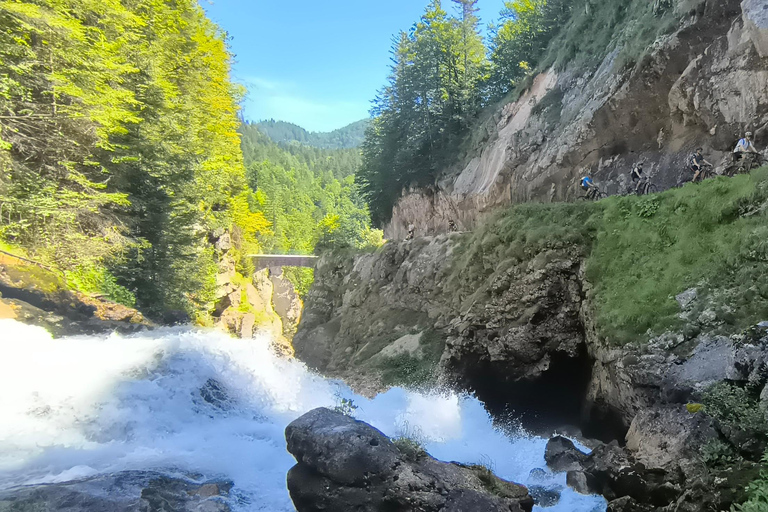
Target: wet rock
214,393
544,497
562,455
128,491
627,504
345,464
577,480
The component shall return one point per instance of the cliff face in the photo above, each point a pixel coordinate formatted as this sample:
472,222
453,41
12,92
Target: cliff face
703,85
524,338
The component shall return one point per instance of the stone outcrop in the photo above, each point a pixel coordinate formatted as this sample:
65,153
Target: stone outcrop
522,337
345,464
37,296
703,85
128,491
286,302
261,304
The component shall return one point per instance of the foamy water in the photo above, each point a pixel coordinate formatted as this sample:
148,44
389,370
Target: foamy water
86,405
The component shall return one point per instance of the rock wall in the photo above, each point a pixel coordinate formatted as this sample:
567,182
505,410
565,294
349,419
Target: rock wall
34,295
523,338
703,85
264,304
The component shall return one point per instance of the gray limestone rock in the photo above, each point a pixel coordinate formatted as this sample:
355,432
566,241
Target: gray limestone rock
345,464
562,455
756,23
128,491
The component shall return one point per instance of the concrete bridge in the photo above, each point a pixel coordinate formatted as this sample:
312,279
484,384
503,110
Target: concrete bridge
283,260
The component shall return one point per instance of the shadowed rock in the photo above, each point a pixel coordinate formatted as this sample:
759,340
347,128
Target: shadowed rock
345,464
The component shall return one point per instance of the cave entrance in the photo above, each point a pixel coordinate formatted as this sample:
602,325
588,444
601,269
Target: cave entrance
555,401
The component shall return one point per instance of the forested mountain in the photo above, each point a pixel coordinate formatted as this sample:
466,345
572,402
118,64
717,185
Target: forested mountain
350,136
308,195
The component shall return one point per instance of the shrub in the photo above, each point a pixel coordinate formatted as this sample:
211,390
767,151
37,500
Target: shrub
411,448
735,408
757,492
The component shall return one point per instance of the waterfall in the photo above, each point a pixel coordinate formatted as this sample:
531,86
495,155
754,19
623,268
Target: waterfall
182,400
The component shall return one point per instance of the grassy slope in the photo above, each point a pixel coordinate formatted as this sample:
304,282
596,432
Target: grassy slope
642,251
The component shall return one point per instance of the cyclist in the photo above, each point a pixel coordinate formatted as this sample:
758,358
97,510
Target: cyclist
745,150
637,175
698,162
589,186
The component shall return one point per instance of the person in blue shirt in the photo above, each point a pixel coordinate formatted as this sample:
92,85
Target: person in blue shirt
588,185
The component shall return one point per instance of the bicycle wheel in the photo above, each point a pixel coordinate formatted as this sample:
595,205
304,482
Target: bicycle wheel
600,195
651,189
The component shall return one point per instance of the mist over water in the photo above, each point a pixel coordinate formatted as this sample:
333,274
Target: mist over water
82,406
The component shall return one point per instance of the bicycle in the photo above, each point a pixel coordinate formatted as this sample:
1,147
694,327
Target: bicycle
646,187
706,172
744,164
593,195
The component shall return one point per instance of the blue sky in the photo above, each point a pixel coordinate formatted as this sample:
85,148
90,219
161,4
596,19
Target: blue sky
316,63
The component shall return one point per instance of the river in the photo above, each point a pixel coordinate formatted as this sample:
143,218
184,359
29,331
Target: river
87,405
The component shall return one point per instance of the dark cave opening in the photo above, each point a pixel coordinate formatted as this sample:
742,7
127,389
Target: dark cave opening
555,401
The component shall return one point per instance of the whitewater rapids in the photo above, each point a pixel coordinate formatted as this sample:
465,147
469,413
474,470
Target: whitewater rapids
88,405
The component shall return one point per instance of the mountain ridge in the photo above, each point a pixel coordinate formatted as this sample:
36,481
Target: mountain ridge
346,137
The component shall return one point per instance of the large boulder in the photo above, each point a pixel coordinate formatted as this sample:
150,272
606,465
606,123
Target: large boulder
345,464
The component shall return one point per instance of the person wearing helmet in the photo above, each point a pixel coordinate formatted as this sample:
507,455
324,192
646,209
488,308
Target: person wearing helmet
745,145
745,153
588,185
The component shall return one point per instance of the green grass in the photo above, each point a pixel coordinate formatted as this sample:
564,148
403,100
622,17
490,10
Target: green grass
590,35
414,371
640,252
650,249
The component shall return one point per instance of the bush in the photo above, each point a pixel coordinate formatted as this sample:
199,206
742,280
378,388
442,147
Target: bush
757,492
89,279
410,447
735,408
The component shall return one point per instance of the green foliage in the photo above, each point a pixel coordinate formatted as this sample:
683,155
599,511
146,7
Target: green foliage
301,279
120,153
345,406
718,454
640,252
520,42
422,115
308,196
410,447
757,492
99,280
650,249
735,408
350,136
596,27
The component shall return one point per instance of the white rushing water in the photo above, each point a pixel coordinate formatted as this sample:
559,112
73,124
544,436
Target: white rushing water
87,405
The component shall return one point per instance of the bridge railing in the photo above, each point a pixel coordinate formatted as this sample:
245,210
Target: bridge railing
283,260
